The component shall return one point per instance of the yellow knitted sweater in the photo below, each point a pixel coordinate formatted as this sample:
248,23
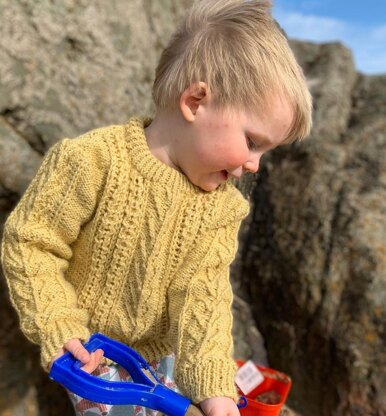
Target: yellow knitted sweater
107,238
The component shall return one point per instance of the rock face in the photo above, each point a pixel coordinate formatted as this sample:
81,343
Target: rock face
312,254
65,67
315,254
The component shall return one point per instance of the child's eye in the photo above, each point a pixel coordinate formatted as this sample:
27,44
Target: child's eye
251,144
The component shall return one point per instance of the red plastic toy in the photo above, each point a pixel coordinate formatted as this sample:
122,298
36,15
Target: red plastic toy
274,388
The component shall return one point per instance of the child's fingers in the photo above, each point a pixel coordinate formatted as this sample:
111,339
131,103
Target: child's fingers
98,354
219,406
95,359
75,347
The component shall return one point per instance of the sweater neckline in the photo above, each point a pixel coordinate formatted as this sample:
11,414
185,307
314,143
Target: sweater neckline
148,165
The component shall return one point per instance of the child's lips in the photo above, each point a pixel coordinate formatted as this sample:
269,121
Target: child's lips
230,175
224,174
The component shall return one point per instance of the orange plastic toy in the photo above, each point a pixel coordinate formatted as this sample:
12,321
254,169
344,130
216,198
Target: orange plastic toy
274,388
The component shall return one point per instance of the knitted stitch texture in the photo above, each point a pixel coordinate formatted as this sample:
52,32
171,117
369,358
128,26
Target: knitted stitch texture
109,239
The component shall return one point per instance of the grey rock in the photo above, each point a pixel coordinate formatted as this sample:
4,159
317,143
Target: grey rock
315,253
310,268
249,344
331,75
18,160
65,67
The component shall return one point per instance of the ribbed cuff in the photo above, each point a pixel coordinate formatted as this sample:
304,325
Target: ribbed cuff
58,335
207,379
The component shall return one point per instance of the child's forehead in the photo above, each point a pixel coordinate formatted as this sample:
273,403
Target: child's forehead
273,105
271,120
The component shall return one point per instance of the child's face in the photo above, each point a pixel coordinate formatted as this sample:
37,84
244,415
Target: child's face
221,144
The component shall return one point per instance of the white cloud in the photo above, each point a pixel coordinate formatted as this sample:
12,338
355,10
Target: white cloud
367,44
311,27
369,47
370,55
379,33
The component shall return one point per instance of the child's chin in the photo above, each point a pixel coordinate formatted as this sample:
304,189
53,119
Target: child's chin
209,187
212,182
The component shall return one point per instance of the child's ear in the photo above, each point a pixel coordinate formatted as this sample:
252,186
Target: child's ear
195,95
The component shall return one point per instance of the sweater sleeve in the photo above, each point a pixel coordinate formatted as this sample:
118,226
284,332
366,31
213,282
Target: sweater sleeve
204,360
36,247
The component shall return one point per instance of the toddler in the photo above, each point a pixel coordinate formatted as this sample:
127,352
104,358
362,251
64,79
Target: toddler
129,230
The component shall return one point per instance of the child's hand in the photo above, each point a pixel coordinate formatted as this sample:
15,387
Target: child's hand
75,347
219,406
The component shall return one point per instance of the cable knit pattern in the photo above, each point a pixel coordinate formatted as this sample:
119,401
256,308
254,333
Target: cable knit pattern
107,238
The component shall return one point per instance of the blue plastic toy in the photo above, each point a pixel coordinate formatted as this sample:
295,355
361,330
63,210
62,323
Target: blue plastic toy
146,390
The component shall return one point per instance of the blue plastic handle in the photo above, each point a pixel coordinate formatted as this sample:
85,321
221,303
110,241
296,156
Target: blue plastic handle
143,392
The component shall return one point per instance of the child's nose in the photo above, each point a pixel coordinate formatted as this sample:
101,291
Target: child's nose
252,164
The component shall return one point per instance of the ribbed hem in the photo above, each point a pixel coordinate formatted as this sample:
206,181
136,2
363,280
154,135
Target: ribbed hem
207,379
147,164
59,334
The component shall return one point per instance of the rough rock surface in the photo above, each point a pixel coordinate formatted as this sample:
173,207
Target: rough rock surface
65,67
315,255
69,66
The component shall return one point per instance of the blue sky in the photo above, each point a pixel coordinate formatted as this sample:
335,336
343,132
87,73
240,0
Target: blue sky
358,24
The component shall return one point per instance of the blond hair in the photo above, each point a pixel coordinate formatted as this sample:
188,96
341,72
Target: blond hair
240,52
